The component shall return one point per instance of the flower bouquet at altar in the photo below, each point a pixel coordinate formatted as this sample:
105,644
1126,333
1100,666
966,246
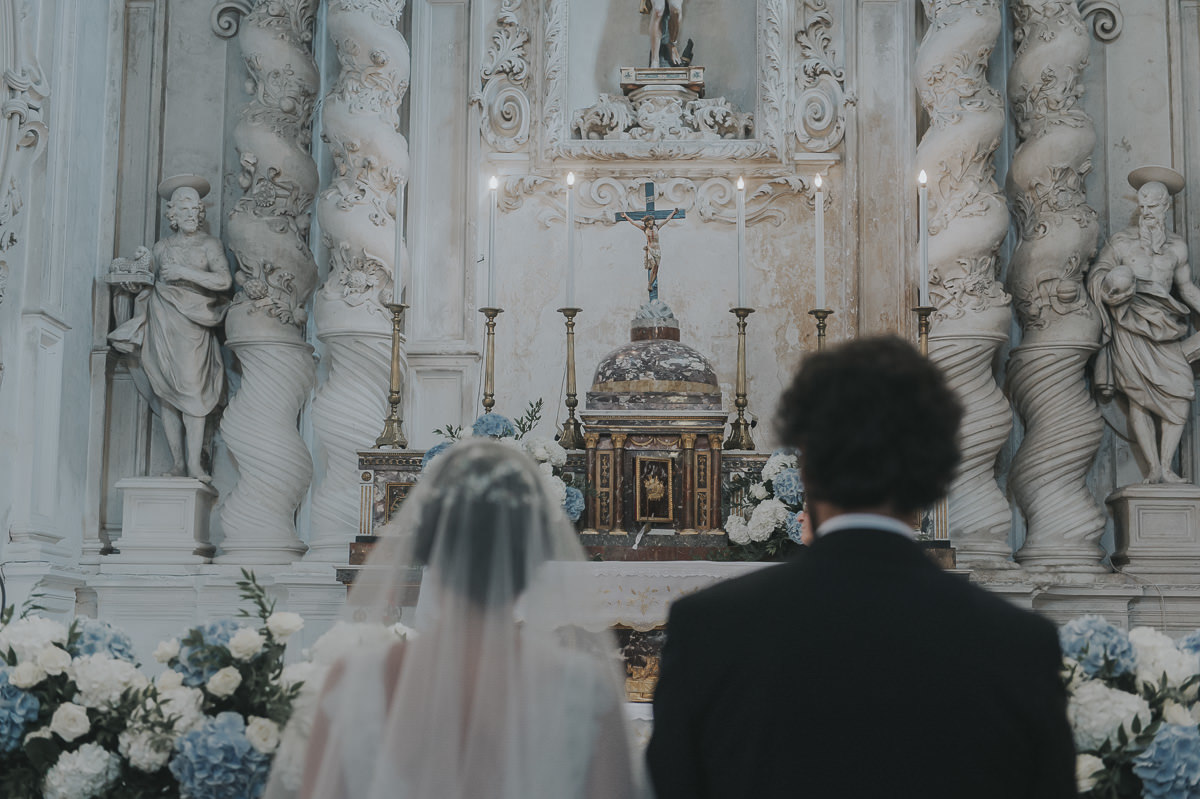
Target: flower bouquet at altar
550,456
765,522
67,699
1133,710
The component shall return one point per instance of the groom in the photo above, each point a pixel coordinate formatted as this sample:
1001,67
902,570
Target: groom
861,669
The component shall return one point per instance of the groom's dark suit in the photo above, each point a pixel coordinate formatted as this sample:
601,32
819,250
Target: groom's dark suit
858,670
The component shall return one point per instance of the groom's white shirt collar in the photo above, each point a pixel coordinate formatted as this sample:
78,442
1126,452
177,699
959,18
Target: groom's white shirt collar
869,521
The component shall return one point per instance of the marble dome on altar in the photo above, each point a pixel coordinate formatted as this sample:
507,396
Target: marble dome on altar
212,212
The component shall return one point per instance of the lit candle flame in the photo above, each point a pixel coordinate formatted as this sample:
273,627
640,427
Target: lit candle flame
741,184
570,178
493,184
817,182
922,178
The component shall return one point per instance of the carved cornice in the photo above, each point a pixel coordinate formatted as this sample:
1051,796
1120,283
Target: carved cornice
819,115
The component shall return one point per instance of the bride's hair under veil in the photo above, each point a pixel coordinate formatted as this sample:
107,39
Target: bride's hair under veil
505,689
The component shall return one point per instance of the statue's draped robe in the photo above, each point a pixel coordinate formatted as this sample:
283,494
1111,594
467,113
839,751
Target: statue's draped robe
173,325
1142,356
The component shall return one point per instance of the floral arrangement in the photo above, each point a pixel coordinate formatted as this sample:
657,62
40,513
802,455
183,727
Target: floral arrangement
765,520
1133,710
550,456
78,719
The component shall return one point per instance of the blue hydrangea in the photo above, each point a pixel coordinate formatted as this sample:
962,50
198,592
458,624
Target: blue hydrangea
1169,767
573,504
494,425
216,633
17,710
433,452
1190,643
216,761
794,528
1100,648
788,487
101,638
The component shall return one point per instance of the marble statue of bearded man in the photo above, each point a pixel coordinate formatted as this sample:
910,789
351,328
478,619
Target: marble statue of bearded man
173,328
1142,357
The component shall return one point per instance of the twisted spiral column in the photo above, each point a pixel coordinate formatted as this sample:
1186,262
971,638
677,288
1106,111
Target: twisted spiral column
267,232
1060,325
360,218
967,223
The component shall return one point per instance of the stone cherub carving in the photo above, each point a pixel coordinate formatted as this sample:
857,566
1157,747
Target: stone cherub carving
172,326
1143,356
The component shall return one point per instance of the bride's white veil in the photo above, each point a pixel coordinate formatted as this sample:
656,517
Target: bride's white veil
502,691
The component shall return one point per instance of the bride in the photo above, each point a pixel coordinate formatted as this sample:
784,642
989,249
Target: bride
501,692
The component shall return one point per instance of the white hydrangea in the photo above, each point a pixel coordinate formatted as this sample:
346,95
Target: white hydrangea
1158,655
776,464
1085,767
185,705
224,682
263,734
736,529
769,515
1097,712
546,450
29,636
101,680
166,650
283,625
143,750
556,490
759,491
26,675
70,721
82,774
1072,673
54,660
246,643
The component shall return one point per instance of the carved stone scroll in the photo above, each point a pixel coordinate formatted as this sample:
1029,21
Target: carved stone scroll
819,118
968,220
359,214
267,232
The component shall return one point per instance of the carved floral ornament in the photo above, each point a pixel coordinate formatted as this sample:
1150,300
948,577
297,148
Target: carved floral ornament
798,124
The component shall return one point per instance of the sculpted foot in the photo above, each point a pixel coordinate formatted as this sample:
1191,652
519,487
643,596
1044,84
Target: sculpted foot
178,470
1169,476
1153,478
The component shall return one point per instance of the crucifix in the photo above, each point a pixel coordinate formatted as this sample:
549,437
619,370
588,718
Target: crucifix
649,221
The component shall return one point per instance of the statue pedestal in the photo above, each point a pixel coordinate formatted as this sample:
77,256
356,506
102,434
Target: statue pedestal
1157,530
165,520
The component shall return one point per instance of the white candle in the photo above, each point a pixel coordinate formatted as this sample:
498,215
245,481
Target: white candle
493,184
923,247
820,243
741,242
397,263
570,240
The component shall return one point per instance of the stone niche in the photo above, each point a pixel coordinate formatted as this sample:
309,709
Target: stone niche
654,429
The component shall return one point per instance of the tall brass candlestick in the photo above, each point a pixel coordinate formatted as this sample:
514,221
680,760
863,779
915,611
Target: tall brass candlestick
740,437
572,434
392,436
489,358
821,314
923,313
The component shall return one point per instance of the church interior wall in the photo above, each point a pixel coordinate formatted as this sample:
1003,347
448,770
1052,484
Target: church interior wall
142,89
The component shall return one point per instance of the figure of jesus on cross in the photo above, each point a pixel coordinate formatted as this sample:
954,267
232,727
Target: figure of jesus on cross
649,223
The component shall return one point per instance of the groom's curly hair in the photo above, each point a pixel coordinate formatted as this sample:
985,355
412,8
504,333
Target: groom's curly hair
876,425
